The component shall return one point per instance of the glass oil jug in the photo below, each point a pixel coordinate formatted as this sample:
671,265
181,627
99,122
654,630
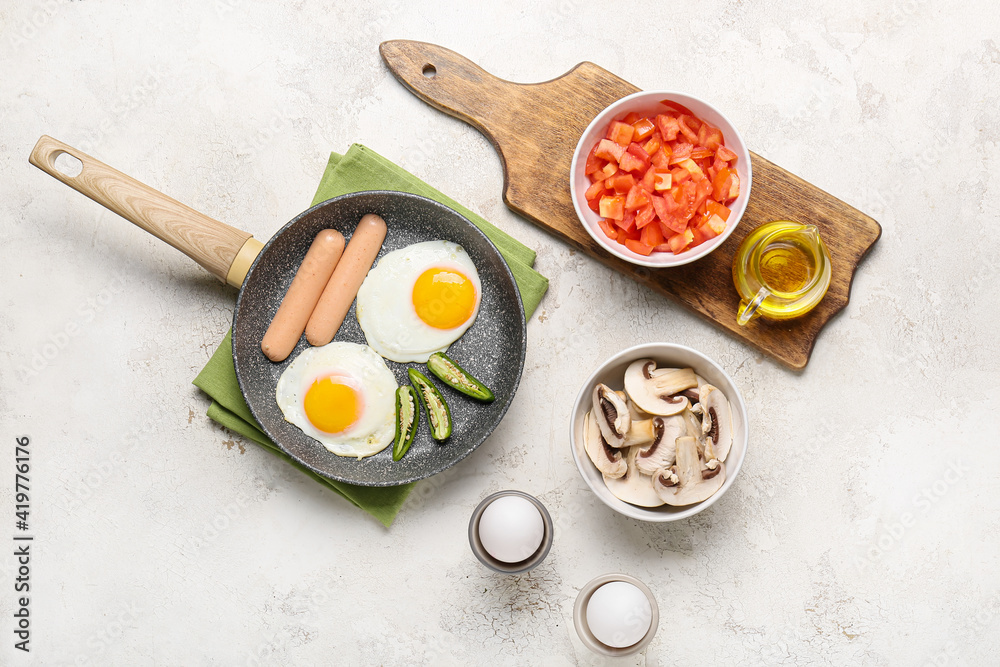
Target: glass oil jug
781,271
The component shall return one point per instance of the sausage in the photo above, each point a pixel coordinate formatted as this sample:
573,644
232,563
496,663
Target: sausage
308,284
339,294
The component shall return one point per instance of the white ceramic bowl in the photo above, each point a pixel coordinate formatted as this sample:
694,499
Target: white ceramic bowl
612,373
648,103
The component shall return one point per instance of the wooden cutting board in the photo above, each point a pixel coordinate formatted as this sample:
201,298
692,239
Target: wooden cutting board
535,128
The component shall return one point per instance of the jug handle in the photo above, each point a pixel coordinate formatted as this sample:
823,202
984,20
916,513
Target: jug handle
749,310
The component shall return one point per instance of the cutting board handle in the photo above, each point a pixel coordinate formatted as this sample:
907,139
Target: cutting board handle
445,80
226,252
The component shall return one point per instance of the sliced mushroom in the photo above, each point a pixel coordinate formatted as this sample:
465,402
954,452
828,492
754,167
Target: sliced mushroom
634,487
692,424
608,460
721,426
611,414
641,432
692,486
662,451
658,391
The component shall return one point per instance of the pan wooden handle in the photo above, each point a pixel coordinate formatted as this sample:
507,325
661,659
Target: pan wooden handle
225,251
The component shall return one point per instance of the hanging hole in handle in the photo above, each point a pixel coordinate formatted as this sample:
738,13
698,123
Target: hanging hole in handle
429,71
68,165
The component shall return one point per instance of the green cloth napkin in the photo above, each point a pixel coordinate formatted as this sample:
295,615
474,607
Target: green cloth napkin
359,169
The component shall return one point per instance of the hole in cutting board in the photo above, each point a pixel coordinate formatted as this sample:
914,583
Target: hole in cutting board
429,71
68,165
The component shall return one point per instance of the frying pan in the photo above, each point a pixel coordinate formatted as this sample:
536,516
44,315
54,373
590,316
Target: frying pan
493,348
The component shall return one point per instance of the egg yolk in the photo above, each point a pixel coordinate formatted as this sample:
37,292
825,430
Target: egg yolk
331,405
444,298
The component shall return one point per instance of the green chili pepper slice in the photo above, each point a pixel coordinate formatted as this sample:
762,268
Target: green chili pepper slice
407,420
458,378
438,414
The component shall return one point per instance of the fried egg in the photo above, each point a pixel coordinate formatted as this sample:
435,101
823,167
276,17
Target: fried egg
343,395
419,300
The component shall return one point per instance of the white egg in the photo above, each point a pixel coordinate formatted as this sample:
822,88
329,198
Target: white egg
511,529
343,395
619,614
419,300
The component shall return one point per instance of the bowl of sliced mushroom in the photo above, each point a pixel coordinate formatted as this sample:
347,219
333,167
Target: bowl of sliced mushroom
659,432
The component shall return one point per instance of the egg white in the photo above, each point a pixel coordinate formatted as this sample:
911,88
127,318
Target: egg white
385,301
375,427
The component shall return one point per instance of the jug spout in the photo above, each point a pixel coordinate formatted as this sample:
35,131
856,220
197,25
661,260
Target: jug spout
811,232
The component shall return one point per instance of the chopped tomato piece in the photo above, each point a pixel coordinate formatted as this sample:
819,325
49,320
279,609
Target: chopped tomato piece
660,159
734,188
594,163
654,144
685,123
693,169
721,184
638,247
724,153
594,204
648,181
645,215
643,129
621,183
609,150
620,133
677,107
637,198
668,127
608,170
609,228
627,222
630,118
703,190
716,224
681,151
701,153
613,207
630,162
680,174
651,236
662,180
710,137
715,208
595,190
681,241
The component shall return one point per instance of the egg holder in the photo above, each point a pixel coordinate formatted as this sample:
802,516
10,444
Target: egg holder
583,628
498,565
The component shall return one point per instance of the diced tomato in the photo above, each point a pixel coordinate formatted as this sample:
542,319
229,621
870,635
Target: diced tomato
627,222
717,225
637,198
681,241
613,207
594,163
734,188
608,170
693,169
724,153
668,127
621,183
680,151
721,184
715,208
651,236
595,190
645,215
673,170
620,133
609,150
685,123
648,181
660,160
677,107
609,228
662,180
638,247
643,129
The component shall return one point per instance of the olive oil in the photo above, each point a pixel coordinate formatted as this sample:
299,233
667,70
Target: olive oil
781,271
786,267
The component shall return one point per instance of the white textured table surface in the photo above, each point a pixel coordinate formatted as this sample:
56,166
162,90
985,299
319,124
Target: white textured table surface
864,526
